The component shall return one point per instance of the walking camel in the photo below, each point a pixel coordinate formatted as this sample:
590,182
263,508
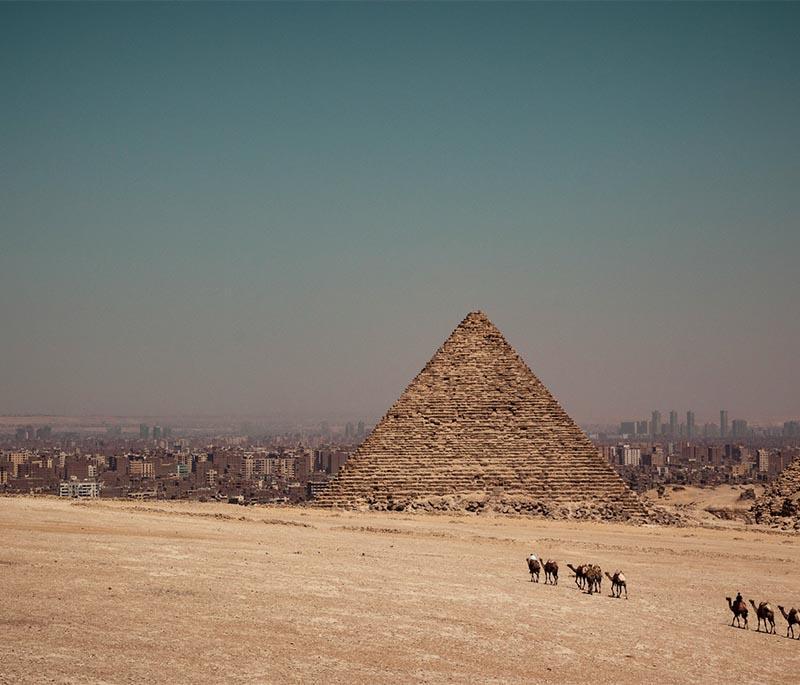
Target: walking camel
587,577
617,584
766,614
551,572
594,578
534,567
580,574
792,619
739,609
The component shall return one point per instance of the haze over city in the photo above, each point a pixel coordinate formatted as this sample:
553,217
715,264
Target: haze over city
282,210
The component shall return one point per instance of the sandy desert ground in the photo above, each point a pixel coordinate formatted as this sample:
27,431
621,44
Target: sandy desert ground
121,592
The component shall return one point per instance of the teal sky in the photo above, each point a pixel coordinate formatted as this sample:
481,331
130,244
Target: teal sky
283,209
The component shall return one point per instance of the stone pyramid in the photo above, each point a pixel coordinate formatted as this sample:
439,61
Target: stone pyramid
477,430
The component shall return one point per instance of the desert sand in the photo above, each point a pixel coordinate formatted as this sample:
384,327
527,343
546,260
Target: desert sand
125,592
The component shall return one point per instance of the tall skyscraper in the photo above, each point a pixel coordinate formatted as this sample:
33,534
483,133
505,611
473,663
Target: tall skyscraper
723,423
144,431
739,428
655,423
673,424
691,431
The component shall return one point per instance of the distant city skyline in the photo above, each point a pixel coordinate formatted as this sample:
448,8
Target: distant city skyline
280,209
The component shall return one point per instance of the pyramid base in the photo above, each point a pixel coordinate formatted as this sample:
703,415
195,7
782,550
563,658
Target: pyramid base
632,510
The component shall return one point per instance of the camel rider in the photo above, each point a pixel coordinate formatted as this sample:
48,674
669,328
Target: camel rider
533,557
739,600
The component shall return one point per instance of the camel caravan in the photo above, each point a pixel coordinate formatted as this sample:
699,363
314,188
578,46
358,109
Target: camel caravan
588,577
765,615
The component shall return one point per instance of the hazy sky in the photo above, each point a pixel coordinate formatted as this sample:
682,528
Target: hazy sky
285,209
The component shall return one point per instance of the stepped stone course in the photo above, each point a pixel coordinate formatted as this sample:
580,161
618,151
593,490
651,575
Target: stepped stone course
476,430
779,506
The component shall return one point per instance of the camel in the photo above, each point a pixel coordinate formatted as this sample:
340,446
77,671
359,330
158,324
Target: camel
792,619
534,567
617,584
766,614
551,572
594,578
739,610
598,578
580,574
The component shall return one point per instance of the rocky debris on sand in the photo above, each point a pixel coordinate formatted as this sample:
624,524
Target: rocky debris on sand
748,493
515,505
779,506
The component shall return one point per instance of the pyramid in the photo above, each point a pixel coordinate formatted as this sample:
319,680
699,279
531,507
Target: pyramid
477,430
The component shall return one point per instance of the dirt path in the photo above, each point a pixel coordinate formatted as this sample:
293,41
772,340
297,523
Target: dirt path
119,592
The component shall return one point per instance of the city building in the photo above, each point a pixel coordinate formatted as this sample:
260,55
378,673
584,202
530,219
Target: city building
629,456
655,423
739,428
723,423
791,429
79,488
